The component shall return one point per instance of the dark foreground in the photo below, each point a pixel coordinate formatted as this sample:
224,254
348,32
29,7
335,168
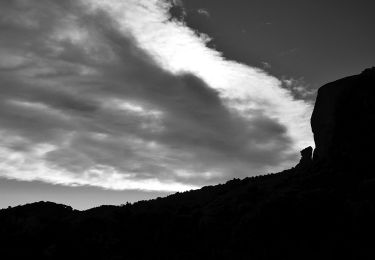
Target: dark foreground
324,208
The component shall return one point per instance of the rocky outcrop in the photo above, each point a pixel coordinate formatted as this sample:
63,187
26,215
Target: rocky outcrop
306,158
343,121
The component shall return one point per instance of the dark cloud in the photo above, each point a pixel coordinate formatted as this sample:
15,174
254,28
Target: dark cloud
71,79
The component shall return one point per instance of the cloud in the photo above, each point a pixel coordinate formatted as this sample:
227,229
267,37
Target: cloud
114,94
266,65
299,88
203,12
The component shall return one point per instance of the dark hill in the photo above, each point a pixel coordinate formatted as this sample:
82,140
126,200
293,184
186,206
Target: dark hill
324,208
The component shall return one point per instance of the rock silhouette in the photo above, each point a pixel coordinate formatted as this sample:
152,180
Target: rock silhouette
306,158
312,211
343,121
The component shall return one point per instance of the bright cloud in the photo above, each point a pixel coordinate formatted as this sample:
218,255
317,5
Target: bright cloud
178,49
116,94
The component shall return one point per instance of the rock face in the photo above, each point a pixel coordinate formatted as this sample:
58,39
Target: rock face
343,121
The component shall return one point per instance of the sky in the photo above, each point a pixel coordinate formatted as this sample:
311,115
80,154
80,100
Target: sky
115,101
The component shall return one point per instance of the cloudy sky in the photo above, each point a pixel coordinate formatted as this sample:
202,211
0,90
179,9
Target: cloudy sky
108,101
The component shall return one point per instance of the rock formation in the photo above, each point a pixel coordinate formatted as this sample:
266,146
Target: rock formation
306,158
343,121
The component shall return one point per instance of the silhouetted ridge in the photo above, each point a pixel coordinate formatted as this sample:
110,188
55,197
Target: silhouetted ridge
312,211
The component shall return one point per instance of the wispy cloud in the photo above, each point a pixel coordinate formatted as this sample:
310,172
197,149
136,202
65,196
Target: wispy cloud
115,94
204,12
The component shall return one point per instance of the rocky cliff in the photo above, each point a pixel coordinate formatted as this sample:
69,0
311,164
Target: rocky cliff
343,121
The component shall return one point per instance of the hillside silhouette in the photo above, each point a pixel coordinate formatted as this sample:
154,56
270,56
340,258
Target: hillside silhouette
324,208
